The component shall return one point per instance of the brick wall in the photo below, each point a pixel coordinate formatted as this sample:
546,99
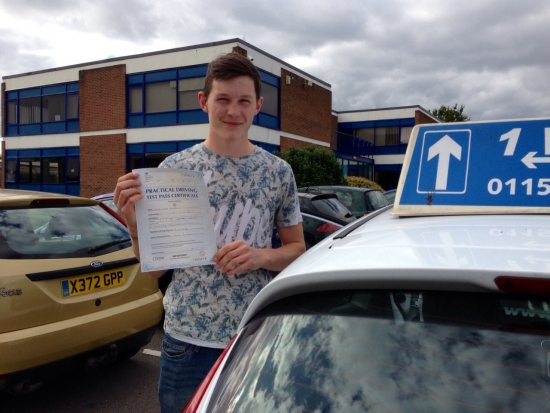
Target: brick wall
421,118
102,98
305,110
102,161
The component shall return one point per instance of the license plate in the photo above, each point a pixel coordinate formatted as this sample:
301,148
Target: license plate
92,282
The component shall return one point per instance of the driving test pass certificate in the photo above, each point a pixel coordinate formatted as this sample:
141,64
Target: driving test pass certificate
175,226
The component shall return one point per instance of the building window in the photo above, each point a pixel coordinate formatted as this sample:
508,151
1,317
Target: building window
53,108
29,170
387,136
271,99
29,110
73,169
188,90
160,97
366,134
53,170
44,109
135,99
11,164
406,134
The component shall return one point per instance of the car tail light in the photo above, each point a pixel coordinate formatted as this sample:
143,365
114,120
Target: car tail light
326,227
524,285
113,213
195,400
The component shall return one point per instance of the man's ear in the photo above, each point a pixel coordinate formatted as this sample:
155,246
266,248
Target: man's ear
202,101
259,104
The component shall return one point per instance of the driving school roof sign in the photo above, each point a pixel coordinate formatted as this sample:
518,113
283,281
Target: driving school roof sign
476,168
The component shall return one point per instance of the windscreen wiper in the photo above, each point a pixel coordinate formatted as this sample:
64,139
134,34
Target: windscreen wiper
91,250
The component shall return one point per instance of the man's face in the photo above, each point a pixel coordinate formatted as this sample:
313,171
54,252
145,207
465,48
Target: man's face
231,107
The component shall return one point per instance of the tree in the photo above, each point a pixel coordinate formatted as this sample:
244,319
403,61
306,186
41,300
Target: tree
313,166
451,114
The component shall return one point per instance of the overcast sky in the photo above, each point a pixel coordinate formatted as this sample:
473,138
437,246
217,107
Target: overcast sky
492,56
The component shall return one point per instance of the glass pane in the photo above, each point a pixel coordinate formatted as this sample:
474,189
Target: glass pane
380,136
10,170
406,133
72,106
73,169
271,99
12,113
29,110
367,134
160,97
54,170
53,108
392,135
316,230
391,351
189,100
58,232
135,97
136,162
376,200
29,170
152,160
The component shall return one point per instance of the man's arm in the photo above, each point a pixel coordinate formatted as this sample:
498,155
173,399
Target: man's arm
238,256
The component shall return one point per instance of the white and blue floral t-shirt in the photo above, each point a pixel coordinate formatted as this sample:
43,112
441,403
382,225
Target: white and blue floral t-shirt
248,196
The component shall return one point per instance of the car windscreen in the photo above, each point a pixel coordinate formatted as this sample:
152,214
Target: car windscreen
391,351
376,199
59,232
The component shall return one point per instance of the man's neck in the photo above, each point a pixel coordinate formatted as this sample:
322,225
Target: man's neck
229,149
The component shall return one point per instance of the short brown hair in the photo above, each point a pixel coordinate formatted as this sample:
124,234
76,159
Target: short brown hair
229,66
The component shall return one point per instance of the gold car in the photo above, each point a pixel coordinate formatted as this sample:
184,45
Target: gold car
72,294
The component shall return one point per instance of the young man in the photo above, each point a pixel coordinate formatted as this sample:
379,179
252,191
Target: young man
250,191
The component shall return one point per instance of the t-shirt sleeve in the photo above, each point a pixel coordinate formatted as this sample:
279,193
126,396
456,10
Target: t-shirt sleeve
288,213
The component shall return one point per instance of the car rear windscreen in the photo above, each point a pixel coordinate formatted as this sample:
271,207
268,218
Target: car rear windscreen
59,232
391,351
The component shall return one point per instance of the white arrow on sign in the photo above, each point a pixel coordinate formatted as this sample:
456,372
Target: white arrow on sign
529,160
445,147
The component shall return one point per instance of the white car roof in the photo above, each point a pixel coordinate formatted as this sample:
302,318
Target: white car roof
472,204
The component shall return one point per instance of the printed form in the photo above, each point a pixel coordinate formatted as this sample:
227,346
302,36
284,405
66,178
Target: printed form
175,226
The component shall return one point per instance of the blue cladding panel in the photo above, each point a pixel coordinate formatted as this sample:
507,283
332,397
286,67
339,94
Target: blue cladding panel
30,187
134,148
160,119
29,93
161,147
11,153
56,127
270,79
72,87
11,130
73,126
29,153
53,152
11,95
55,188
160,76
73,150
73,190
267,121
33,129
135,121
135,79
52,90
189,117
195,71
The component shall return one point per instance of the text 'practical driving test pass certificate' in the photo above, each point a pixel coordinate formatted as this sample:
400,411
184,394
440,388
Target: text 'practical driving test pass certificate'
175,226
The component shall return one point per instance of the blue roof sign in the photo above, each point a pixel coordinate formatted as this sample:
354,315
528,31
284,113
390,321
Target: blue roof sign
476,168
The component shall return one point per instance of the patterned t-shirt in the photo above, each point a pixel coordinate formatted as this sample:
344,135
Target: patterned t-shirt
248,196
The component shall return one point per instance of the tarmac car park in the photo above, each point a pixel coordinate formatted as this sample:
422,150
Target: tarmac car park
72,295
438,303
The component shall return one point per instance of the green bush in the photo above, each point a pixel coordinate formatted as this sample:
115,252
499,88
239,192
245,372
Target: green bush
313,165
362,183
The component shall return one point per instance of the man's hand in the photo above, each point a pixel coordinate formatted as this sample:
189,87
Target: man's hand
236,257
126,194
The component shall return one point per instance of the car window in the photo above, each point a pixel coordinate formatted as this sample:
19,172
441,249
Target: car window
331,207
391,351
376,199
58,232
